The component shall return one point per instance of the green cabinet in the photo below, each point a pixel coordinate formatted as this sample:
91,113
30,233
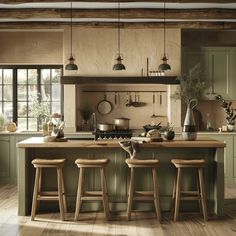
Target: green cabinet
229,154
218,67
5,157
9,155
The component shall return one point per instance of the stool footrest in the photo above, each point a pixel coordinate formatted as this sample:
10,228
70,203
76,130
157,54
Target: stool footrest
143,195
92,198
47,198
92,193
49,193
189,198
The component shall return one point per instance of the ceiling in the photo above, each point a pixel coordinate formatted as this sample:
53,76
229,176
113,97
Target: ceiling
192,14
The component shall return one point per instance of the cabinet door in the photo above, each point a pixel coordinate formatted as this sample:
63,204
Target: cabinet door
228,153
4,157
219,80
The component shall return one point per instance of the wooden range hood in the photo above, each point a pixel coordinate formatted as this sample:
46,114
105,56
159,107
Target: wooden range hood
120,80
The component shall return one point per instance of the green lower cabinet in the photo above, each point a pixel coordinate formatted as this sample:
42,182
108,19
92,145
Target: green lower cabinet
5,158
229,155
9,156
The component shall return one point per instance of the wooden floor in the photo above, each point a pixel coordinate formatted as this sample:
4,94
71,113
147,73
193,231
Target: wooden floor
95,223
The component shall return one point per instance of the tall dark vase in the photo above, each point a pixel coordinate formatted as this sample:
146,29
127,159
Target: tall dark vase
189,129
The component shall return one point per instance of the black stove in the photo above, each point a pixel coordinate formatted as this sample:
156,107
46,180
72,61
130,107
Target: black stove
114,134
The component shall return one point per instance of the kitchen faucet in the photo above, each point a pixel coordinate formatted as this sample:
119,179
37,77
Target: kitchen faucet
94,122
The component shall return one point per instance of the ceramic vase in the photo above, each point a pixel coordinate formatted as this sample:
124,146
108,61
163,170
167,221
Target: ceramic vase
169,135
189,129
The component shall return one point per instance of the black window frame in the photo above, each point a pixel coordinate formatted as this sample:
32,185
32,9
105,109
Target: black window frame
38,68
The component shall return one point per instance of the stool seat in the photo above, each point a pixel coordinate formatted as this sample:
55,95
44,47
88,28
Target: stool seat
92,162
180,163
141,163
48,162
58,195
198,195
82,195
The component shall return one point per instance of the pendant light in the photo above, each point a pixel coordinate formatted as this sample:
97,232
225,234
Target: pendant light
164,66
71,65
118,65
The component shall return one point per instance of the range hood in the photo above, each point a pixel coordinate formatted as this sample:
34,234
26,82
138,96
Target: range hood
119,80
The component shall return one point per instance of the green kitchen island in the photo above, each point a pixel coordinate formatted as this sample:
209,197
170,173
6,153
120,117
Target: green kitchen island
118,173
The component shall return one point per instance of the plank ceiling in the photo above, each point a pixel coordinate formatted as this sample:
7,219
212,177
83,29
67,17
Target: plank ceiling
103,13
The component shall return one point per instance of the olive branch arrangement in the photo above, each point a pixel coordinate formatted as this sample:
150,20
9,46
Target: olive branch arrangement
229,110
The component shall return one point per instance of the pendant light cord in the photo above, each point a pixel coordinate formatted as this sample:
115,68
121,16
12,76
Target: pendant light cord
118,26
71,28
164,13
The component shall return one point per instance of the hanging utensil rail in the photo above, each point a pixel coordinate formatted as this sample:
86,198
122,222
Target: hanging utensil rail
124,91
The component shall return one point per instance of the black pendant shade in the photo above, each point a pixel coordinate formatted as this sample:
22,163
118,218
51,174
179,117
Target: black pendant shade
71,65
164,66
118,65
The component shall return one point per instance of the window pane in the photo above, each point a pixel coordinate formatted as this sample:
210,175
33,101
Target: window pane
22,93
56,92
0,92
0,106
22,76
8,108
22,123
45,92
56,75
56,107
45,76
22,109
0,76
32,76
32,90
32,124
7,93
7,76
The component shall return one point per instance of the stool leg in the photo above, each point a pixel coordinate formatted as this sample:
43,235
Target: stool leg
156,195
79,193
35,194
173,197
63,192
60,195
39,189
202,190
131,192
199,194
177,195
104,193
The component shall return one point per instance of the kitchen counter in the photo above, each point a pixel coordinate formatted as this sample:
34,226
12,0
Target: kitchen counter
37,142
118,172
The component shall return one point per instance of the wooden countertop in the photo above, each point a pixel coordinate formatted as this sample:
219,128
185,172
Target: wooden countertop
37,142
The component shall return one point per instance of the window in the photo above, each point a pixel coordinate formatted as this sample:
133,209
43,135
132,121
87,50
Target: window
19,83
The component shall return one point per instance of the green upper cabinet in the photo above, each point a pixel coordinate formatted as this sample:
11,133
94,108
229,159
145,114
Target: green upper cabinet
217,65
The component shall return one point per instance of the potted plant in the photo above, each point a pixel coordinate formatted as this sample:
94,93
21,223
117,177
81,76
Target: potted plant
230,112
191,89
169,133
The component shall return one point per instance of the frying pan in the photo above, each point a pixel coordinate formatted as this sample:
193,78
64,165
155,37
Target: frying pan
104,106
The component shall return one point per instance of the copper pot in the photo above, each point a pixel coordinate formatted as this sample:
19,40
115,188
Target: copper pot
122,123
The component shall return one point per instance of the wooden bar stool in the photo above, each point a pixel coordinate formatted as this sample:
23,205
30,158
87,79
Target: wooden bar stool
92,195
143,195
59,195
189,195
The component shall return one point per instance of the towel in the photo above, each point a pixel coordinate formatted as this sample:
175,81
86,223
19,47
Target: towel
131,147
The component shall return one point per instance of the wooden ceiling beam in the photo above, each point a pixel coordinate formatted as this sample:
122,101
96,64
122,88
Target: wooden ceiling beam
125,13
114,1
136,25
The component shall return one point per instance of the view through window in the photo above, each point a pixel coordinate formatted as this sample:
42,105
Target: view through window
21,87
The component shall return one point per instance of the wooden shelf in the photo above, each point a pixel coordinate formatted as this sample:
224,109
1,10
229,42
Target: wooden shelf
120,80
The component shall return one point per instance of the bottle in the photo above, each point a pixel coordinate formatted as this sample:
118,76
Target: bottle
50,127
208,122
45,127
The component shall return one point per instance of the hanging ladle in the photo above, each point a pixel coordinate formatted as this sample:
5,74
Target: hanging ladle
153,104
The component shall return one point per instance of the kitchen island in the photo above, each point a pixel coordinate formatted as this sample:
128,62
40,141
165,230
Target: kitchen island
118,173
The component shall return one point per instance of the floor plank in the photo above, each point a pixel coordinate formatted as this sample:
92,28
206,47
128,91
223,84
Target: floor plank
94,223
